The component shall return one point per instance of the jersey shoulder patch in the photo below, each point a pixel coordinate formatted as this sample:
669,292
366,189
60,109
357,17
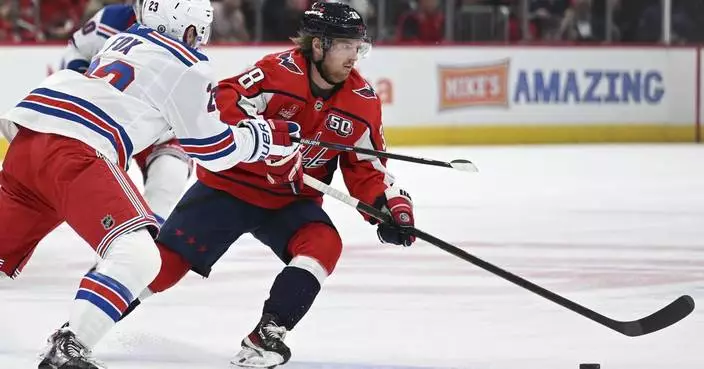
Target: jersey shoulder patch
360,86
366,92
288,62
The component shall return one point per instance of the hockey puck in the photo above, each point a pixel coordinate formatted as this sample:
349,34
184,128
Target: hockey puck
589,366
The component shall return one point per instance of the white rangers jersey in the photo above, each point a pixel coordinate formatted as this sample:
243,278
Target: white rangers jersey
89,39
137,88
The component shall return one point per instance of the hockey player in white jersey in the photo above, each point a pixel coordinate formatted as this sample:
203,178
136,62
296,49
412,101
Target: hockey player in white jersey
89,39
72,138
165,166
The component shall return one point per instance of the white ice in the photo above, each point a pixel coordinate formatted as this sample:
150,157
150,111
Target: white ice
619,229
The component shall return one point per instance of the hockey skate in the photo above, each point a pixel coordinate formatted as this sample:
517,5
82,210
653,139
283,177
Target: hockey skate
64,351
264,347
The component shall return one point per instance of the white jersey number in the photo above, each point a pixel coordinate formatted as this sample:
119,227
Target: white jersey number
251,78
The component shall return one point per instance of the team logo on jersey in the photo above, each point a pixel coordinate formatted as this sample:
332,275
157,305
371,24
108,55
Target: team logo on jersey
289,112
315,161
288,63
366,92
108,222
339,125
318,105
311,160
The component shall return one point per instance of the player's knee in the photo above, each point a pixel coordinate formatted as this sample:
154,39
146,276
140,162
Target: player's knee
170,159
133,259
169,166
173,268
164,184
317,241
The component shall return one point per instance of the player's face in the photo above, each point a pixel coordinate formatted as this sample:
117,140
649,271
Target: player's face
341,58
190,36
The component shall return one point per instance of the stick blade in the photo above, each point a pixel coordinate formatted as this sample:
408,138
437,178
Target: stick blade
663,318
464,165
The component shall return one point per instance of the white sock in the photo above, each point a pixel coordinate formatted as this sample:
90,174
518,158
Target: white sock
130,264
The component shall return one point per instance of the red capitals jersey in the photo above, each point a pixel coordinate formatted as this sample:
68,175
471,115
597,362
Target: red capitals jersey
278,87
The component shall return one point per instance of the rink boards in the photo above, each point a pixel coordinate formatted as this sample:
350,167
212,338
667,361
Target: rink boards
476,94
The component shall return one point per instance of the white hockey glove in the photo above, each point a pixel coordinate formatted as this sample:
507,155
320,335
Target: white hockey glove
272,138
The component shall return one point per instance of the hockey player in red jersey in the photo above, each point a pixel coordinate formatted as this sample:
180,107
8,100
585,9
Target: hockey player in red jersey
316,85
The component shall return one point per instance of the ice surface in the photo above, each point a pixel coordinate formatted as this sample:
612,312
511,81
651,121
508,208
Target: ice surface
619,229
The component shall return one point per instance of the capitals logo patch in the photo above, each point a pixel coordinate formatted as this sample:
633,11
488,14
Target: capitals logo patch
366,92
288,63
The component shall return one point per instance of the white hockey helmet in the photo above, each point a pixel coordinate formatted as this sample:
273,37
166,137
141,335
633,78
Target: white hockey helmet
173,17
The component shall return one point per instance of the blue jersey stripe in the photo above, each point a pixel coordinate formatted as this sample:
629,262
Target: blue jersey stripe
205,141
217,155
93,109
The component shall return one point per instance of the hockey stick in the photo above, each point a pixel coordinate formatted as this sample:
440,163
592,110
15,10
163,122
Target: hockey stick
459,164
662,318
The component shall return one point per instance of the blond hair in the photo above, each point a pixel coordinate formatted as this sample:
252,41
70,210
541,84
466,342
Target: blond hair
304,42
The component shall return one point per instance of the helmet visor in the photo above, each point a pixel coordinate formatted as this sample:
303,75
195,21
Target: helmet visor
351,46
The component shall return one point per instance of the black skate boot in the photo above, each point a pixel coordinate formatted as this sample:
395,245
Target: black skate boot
264,347
66,352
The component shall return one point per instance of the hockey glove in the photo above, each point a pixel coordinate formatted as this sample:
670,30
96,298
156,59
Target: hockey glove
286,171
272,138
397,203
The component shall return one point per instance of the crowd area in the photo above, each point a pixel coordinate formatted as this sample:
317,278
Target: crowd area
399,21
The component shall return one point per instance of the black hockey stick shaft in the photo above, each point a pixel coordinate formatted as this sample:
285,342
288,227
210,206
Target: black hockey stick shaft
459,164
671,314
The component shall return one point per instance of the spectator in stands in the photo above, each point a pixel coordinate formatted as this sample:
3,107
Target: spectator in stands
92,6
282,18
586,20
628,18
229,23
392,12
6,26
548,15
695,10
686,22
56,19
577,25
426,24
515,24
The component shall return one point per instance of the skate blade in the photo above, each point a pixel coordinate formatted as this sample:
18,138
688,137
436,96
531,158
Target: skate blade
251,358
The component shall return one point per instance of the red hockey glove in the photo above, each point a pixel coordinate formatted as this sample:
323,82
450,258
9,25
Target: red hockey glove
397,203
287,171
